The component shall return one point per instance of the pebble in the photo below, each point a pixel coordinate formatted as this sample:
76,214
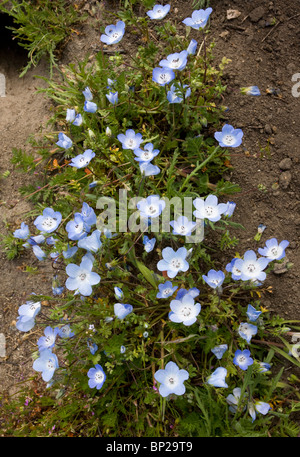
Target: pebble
257,14
285,179
285,164
2,345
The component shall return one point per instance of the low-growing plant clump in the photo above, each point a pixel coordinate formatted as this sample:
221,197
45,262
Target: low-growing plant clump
146,331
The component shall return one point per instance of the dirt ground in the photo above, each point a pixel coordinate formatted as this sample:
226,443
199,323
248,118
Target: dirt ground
266,166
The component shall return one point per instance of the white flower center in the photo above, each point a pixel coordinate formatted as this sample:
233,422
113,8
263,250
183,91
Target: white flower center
167,291
50,364
99,376
82,276
228,139
49,222
186,311
176,263
152,209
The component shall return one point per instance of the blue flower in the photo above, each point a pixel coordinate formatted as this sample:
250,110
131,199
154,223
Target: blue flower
274,250
56,288
173,262
92,346
148,169
96,376
217,378
27,314
112,97
122,350
49,221
252,313
78,120
250,90
259,406
152,206
91,243
64,141
113,33
47,341
47,363
191,49
38,252
264,367
166,290
147,154
219,350
199,18
130,140
246,331
81,278
184,311
70,116
90,107
77,228
251,268
87,94
70,252
65,331
214,278
182,226
242,359
82,160
88,214
119,294
175,95
175,61
23,232
234,399
209,208
193,292
230,209
158,11
171,380
122,310
163,76
235,272
148,244
229,137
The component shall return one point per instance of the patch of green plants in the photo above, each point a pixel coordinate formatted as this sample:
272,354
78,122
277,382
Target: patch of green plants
41,26
155,325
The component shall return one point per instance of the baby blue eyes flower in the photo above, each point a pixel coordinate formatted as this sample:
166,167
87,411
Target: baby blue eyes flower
78,120
96,376
77,228
199,18
27,314
64,141
113,33
121,310
219,350
229,137
217,378
47,341
246,331
130,140
230,209
242,359
159,11
49,221
91,243
252,313
151,206
171,380
182,226
92,346
234,399
166,290
87,94
175,61
214,278
90,107
47,363
149,244
251,268
88,214
193,292
82,160
173,262
147,154
231,268
38,252
23,232
112,97
174,95
119,294
250,90
191,49
148,169
209,208
82,278
184,311
70,252
274,250
163,76
70,116
65,331
259,406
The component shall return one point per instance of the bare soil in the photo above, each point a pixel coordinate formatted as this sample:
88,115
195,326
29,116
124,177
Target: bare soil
261,54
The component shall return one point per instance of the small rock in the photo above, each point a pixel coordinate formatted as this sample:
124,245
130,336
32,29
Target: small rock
257,14
268,129
285,164
285,179
233,14
280,268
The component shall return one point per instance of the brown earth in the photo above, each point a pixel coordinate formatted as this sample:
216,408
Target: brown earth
261,54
